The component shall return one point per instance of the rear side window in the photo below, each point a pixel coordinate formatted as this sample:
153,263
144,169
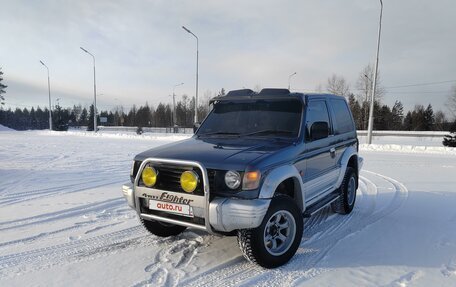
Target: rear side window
343,120
316,112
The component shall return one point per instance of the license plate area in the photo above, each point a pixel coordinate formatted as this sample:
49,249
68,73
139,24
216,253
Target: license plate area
172,208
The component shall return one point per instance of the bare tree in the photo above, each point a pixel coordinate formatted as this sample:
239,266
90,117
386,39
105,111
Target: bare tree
364,91
452,100
439,121
319,88
338,86
364,85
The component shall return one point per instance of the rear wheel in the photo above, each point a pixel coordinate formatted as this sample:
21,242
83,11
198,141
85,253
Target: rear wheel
276,240
162,229
347,198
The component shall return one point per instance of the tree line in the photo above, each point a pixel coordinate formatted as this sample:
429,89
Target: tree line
385,117
143,116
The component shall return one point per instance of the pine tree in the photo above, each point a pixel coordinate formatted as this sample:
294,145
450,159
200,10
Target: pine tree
397,115
429,118
356,111
2,88
90,119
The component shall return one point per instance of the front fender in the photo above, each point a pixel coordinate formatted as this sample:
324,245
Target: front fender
277,176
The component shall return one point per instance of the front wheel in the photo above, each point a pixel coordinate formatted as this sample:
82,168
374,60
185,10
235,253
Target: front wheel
162,229
276,240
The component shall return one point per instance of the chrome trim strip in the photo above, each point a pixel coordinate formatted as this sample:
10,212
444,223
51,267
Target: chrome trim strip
173,221
327,204
207,226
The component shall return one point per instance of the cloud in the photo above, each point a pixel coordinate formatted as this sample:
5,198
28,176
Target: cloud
142,51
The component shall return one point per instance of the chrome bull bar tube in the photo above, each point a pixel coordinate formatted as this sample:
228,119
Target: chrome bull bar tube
207,226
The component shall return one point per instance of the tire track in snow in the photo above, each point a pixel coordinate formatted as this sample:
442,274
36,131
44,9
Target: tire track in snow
113,211
77,250
171,264
33,195
62,214
321,234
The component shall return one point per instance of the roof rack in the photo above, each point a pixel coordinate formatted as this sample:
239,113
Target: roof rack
240,93
274,92
248,93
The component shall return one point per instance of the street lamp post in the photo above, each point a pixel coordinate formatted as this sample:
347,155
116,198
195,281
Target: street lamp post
174,104
374,82
49,91
94,92
197,52
289,80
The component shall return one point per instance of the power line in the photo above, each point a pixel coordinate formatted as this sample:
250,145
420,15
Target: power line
422,84
420,92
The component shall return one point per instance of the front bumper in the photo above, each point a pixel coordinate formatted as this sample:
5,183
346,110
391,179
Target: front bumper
224,214
128,193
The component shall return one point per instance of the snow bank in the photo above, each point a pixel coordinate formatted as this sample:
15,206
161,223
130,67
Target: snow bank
408,148
120,135
5,129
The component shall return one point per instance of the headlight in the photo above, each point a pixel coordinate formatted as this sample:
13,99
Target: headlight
149,176
189,181
251,180
232,179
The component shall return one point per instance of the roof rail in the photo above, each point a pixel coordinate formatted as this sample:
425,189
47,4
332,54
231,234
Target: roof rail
275,92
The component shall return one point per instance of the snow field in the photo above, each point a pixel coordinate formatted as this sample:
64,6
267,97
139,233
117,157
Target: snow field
63,221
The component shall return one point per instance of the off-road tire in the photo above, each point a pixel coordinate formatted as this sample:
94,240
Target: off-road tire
252,241
343,205
162,229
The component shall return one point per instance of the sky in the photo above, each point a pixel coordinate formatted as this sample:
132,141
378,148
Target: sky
142,51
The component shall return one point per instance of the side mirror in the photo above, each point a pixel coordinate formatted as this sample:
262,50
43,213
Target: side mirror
319,130
196,126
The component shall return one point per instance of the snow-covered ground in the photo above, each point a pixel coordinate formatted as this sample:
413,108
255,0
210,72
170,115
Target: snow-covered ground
63,221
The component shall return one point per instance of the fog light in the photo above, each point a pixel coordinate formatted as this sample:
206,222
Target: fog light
149,176
189,181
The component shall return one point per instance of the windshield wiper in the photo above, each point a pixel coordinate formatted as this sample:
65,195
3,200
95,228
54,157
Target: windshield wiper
219,133
269,132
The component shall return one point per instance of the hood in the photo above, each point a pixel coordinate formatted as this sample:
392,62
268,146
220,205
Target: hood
217,153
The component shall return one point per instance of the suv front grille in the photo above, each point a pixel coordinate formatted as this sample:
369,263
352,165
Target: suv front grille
169,178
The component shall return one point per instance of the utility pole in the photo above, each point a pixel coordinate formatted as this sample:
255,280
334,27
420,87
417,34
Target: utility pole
174,104
94,93
49,91
197,52
374,82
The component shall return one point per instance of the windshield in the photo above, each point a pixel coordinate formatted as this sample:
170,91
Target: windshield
264,118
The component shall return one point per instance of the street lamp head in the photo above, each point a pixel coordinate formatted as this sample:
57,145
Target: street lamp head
84,50
42,63
183,27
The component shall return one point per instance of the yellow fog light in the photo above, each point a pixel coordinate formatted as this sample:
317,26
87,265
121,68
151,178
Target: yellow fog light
189,181
149,176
